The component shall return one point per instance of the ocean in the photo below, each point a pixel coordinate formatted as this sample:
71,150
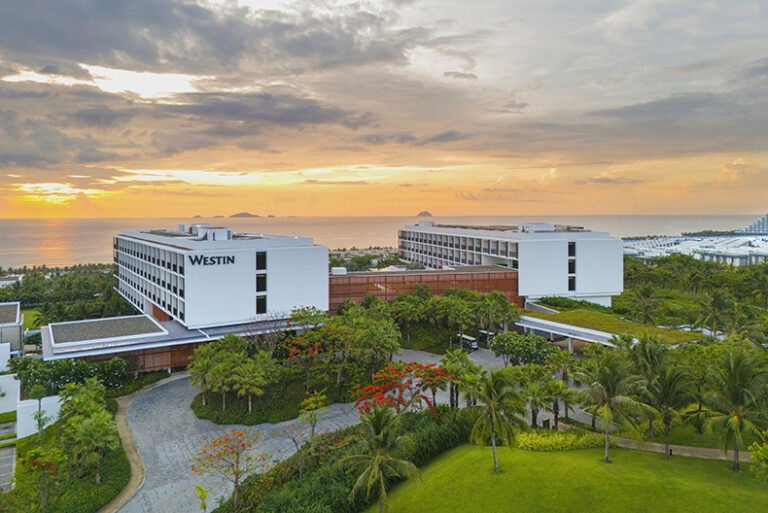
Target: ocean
70,241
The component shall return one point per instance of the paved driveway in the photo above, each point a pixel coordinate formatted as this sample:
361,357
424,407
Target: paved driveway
168,435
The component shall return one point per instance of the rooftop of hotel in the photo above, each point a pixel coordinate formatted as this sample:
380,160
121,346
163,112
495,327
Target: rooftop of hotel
9,313
451,270
522,231
205,236
80,331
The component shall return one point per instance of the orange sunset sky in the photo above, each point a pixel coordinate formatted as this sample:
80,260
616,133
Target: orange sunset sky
175,108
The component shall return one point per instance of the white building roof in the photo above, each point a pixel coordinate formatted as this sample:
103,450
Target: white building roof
202,236
531,231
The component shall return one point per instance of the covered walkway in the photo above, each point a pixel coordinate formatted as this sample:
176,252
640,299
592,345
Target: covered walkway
551,330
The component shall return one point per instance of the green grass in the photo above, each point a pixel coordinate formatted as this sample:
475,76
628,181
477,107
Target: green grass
462,481
29,318
612,323
685,434
8,417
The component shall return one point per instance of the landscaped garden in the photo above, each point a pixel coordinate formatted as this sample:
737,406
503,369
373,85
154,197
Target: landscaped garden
462,481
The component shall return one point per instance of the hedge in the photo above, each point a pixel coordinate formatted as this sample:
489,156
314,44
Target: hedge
549,440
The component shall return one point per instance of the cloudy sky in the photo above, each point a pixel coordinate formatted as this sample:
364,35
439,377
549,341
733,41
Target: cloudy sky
174,108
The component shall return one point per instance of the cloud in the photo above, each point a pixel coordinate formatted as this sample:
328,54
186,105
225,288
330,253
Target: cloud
549,176
102,117
400,138
460,75
180,36
443,137
280,109
607,180
737,170
312,181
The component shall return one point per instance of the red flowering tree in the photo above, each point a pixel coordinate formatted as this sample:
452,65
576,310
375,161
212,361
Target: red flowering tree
45,466
229,458
403,386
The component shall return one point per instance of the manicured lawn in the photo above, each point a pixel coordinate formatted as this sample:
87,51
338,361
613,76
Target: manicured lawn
612,324
462,481
29,318
685,434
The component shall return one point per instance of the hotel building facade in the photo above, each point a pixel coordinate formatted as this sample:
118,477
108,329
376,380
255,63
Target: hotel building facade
550,260
203,276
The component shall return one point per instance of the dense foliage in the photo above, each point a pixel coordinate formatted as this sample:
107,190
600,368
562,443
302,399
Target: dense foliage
66,294
325,486
75,464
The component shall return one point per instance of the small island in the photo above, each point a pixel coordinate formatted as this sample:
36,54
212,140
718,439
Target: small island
244,214
271,215
196,216
424,213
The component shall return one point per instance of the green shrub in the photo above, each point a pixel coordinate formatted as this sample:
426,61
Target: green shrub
325,486
549,440
428,337
565,303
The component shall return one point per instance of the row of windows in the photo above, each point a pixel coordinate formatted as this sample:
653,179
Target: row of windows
170,260
163,279
138,289
479,245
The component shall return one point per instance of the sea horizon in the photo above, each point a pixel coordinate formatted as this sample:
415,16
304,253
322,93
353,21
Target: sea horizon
59,242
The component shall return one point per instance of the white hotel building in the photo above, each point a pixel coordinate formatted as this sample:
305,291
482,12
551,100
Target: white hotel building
551,260
203,277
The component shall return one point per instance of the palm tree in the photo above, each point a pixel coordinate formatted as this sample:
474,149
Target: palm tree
648,356
501,409
200,366
644,302
667,394
558,392
610,386
734,403
248,379
715,310
93,436
407,310
537,395
379,461
457,362
562,362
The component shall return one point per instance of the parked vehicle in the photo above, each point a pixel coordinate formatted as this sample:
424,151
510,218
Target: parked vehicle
467,342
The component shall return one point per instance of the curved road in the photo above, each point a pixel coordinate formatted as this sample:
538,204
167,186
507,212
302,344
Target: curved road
167,435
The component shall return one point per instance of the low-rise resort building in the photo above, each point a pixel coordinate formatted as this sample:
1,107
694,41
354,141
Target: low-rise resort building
198,283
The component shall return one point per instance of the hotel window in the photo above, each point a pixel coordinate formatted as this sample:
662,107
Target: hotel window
571,249
571,283
571,266
261,283
261,261
261,304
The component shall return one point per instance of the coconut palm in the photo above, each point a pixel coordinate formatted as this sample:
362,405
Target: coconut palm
668,394
248,379
379,460
201,363
609,393
644,302
92,436
715,310
734,403
562,363
457,362
559,392
500,410
536,393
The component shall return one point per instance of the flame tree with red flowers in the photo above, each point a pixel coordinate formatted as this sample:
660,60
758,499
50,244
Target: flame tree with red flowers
229,458
403,386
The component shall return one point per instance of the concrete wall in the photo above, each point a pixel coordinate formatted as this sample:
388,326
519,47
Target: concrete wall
599,267
10,387
13,333
543,267
296,278
223,293
5,355
25,410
